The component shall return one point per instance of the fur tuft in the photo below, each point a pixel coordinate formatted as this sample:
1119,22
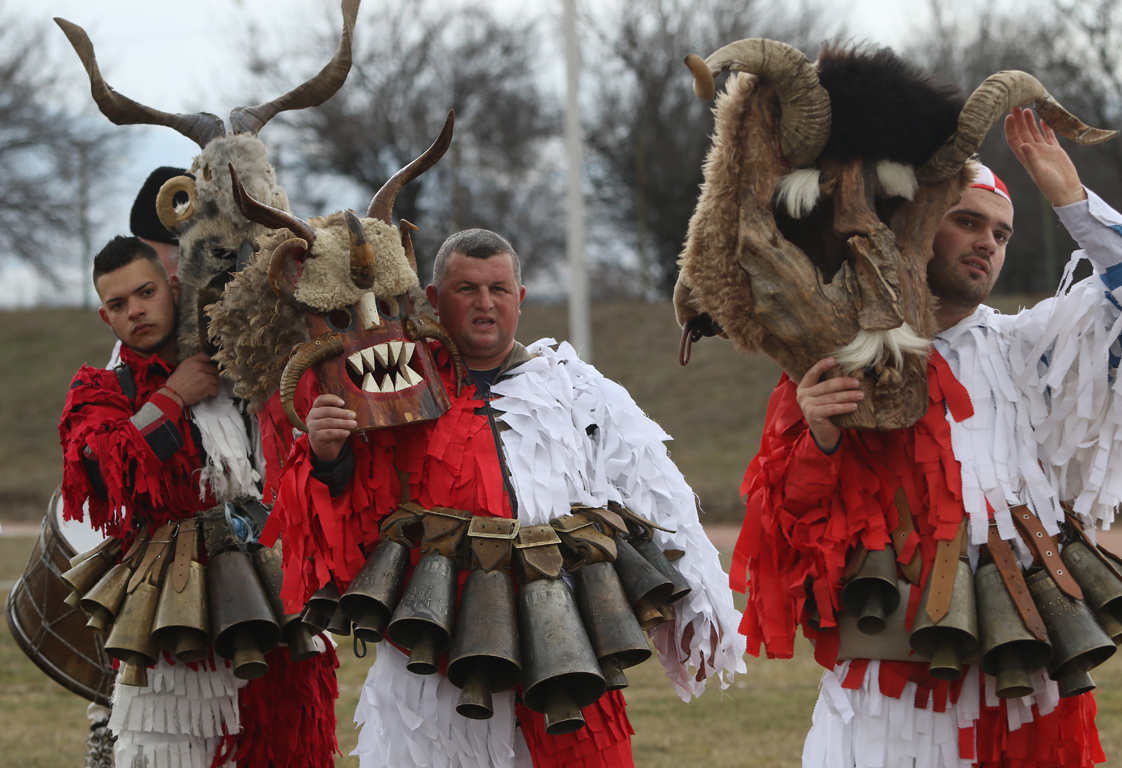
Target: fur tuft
874,348
882,107
797,193
897,180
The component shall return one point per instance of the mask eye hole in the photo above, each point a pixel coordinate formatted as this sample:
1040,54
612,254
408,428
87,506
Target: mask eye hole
340,319
389,308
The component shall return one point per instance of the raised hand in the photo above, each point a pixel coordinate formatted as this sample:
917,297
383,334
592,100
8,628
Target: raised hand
1039,151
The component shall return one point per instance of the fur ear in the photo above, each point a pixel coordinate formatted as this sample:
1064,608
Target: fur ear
797,193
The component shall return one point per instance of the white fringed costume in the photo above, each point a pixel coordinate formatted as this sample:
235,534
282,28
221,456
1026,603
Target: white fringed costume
1024,411
568,436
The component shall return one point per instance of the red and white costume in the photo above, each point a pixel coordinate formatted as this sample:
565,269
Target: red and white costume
147,461
567,436
1022,410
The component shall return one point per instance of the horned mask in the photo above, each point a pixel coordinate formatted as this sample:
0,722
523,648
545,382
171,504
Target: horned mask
351,280
823,191
215,239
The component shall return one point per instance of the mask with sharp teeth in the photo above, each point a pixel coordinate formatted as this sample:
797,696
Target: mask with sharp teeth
352,280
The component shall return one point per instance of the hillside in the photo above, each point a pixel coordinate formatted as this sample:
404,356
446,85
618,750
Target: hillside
713,408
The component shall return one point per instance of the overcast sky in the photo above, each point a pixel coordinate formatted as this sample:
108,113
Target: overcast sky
184,56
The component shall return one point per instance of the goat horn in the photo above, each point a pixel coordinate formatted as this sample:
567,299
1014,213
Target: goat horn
703,84
804,124
266,215
201,127
381,207
284,266
362,255
310,94
165,202
421,327
404,227
310,352
992,99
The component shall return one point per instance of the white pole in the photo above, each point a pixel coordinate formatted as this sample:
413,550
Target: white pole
580,326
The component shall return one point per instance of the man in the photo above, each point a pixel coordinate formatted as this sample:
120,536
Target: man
991,440
132,449
533,431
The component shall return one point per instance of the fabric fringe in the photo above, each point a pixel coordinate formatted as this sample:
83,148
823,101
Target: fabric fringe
232,442
604,742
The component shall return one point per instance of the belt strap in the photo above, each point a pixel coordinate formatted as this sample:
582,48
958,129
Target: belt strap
1047,550
539,551
943,573
491,541
1015,585
151,568
186,550
905,532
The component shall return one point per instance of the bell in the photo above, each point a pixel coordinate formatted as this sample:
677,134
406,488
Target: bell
955,637
873,594
294,633
1075,684
131,639
646,588
325,599
561,675
1009,650
241,621
1102,589
182,621
104,600
656,557
339,624
485,656
371,598
1110,624
315,621
82,577
422,622
1078,641
615,634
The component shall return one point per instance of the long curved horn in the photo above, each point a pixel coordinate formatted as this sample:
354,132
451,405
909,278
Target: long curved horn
362,255
311,352
201,127
381,207
404,227
284,266
804,125
310,94
992,99
421,327
266,215
165,202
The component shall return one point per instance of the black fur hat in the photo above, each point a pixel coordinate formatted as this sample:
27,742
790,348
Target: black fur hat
143,220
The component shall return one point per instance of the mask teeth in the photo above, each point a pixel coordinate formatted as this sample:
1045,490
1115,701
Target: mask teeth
385,367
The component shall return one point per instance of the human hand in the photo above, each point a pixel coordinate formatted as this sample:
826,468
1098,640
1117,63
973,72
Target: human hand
194,379
819,400
329,426
1039,151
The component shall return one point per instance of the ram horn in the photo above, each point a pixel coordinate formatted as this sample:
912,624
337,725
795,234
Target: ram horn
312,93
266,215
381,207
201,127
362,255
420,327
311,352
804,124
165,202
992,99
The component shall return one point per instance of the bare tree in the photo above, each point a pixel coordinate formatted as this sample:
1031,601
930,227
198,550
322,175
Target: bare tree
45,152
414,61
647,133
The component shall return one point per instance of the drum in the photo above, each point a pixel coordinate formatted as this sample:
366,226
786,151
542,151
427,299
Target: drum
51,633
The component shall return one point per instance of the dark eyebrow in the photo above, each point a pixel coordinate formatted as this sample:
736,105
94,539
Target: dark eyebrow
138,289
1003,225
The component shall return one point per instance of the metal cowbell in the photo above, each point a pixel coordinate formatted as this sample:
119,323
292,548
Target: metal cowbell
656,557
614,631
485,657
422,621
242,623
1009,650
371,598
182,620
955,636
294,632
1079,643
872,594
103,602
131,639
1102,589
646,588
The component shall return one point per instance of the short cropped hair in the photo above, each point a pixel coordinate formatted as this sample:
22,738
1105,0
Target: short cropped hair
475,244
122,251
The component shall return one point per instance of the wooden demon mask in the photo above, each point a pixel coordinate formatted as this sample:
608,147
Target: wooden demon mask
823,191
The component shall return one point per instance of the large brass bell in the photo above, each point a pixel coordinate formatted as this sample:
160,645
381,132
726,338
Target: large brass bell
615,634
182,621
1079,643
87,570
105,599
422,622
131,639
485,656
656,557
294,632
872,594
646,588
371,598
561,674
954,637
241,621
1102,589
1075,684
1009,650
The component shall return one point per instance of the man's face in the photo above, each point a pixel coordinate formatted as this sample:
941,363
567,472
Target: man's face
478,303
138,303
970,248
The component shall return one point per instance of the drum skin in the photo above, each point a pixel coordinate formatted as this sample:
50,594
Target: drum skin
51,633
